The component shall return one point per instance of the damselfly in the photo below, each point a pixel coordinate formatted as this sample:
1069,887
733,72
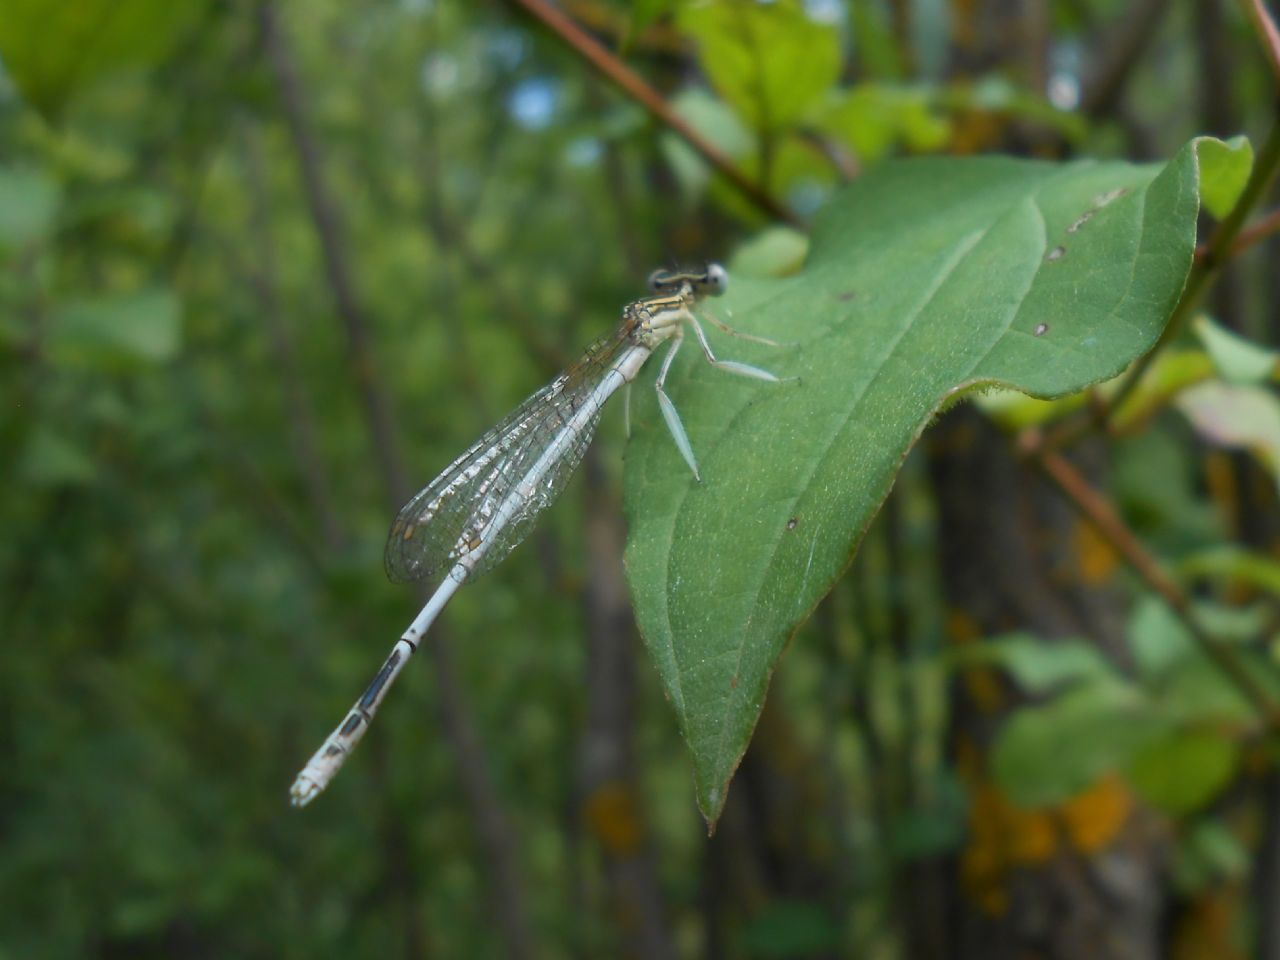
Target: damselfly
484,503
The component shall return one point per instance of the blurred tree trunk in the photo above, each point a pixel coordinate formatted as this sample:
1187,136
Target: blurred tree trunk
1078,880
770,846
609,800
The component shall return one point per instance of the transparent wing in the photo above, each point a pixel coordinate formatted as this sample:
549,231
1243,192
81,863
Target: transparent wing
450,517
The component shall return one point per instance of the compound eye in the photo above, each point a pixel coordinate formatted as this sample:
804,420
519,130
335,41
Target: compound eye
657,280
717,279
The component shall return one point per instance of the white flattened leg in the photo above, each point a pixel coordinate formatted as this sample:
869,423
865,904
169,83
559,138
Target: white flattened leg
721,325
729,366
626,410
668,409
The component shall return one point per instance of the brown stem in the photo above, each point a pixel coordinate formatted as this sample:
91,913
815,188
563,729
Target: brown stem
301,427
1107,522
634,86
1265,27
329,233
612,809
1249,237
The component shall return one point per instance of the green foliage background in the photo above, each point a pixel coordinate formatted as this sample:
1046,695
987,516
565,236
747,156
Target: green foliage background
195,501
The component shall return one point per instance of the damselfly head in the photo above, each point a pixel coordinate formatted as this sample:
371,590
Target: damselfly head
716,280
711,280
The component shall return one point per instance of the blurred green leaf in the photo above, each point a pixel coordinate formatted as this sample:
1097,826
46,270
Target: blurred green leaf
1238,360
874,119
1224,170
54,50
1195,691
132,328
1173,371
791,928
924,278
718,124
770,61
1185,686
1037,665
938,825
1236,417
1208,854
51,460
1045,754
644,13
1183,770
1014,410
875,46
1157,638
1234,564
995,94
28,206
773,252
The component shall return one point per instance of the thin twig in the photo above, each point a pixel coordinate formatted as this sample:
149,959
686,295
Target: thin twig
1103,89
301,427
329,233
1265,27
1107,522
634,86
1249,237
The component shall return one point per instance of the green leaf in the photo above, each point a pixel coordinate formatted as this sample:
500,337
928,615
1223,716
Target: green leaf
1209,853
1045,754
1157,638
54,50
1192,689
770,61
1038,665
1237,417
1233,564
1240,361
28,206
1016,411
873,119
1197,692
791,928
644,13
718,124
51,460
1225,169
1172,372
996,94
141,327
1184,770
773,252
924,278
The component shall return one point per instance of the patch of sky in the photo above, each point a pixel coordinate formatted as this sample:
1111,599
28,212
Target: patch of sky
532,103
1063,86
824,11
